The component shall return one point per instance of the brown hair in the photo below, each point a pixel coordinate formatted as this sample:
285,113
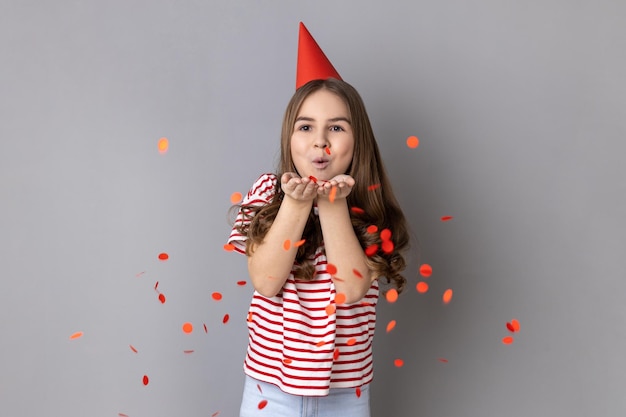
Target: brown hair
371,200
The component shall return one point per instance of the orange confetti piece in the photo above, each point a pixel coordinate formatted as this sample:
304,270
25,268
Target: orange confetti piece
187,327
426,270
336,354
357,273
229,247
392,295
372,229
249,316
371,250
412,142
373,187
351,341
235,197
391,325
262,404
446,218
216,296
226,318
358,392
187,352
357,210
421,287
241,283
146,380
442,360
321,343
299,243
515,325
327,150
122,415
133,348
398,362
215,414
340,298
206,330
76,335
447,296
332,194
287,244
507,340
387,246
331,269
163,256
330,309
385,234
287,361
163,145
162,298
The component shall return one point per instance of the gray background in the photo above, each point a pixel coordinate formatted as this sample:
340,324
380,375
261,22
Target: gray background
519,106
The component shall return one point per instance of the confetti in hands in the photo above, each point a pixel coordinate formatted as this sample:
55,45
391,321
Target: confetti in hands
310,188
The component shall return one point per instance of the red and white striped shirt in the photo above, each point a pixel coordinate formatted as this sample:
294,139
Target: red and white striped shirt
293,342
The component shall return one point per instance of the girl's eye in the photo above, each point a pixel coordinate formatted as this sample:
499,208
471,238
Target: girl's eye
305,128
336,128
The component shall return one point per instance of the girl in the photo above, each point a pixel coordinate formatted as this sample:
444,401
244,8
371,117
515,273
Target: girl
318,234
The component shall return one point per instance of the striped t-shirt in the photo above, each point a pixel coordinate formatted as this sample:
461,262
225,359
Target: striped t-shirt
293,342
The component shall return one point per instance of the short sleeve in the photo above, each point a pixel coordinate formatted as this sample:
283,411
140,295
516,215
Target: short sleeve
260,194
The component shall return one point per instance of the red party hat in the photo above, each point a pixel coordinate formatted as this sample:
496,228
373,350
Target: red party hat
312,63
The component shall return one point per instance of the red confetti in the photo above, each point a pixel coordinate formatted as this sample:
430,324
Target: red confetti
507,340
442,360
299,243
249,316
241,283
162,298
387,246
446,218
358,392
515,325
385,234
510,327
133,348
187,352
373,187
357,210
321,343
312,178
235,197
333,194
421,287
262,404
163,256
412,142
351,341
447,296
287,361
229,247
392,295
426,270
331,269
357,273
371,250
187,327
216,296
391,325
327,149
140,274
145,380
215,414
286,244
76,335
122,415
226,318
156,285
336,354
372,229
398,362
258,386
206,330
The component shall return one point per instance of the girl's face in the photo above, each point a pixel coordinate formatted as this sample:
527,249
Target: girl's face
322,143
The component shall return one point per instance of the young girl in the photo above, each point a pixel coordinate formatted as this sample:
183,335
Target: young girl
318,234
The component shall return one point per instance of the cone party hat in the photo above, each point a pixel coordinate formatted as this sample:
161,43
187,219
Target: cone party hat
312,63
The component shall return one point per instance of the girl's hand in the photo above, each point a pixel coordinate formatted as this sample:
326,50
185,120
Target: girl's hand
343,184
301,189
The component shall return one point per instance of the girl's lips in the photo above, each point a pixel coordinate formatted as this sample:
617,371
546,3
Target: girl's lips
320,164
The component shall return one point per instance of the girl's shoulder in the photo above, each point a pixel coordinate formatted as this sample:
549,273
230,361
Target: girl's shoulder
263,188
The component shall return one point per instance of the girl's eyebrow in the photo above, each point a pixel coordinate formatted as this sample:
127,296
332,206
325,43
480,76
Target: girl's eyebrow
334,119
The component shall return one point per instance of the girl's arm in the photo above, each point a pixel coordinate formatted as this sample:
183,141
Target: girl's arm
342,245
270,264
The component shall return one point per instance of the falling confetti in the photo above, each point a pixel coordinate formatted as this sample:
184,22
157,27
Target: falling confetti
426,270
446,218
333,194
163,145
229,247
241,283
162,298
391,325
507,340
140,274
510,327
145,380
327,150
156,285
133,348
76,335
299,243
205,328
340,298
447,296
226,318
398,362
249,316
412,142
122,415
357,210
258,386
421,287
336,354
357,273
392,295
215,414
358,392
321,343
351,341
187,352
371,250
262,404
373,187
287,244
385,234
515,325
163,256
187,327
330,309
287,361
387,246
312,178
331,269
216,296
372,229
235,197
442,360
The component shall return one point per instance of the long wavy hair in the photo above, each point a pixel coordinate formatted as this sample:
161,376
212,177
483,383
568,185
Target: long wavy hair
371,201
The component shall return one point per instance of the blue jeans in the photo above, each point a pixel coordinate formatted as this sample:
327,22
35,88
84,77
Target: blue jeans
339,402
